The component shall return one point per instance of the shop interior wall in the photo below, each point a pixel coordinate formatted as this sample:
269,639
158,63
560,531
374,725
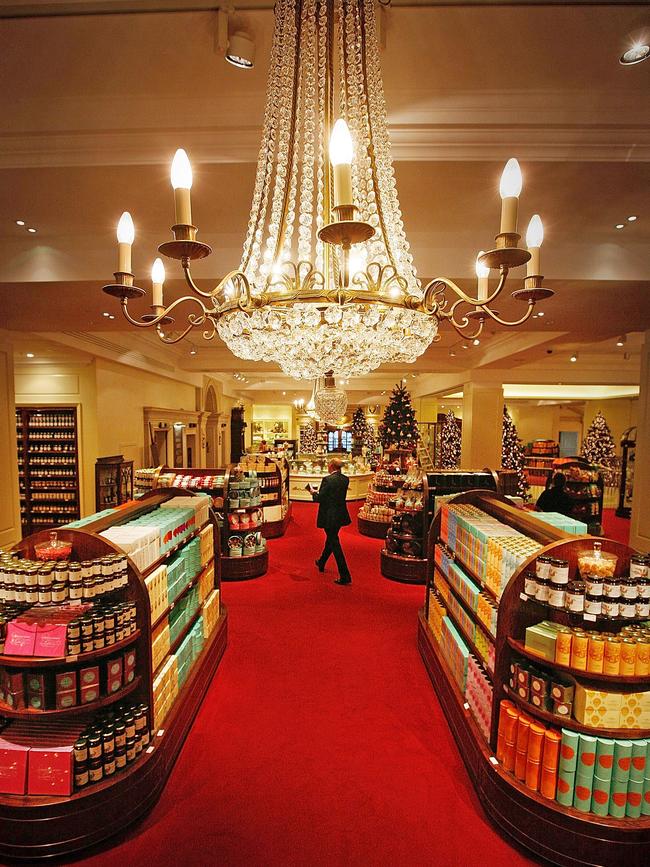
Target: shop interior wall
274,412
122,393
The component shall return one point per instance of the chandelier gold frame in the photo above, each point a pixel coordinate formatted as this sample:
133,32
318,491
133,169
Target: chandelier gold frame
378,285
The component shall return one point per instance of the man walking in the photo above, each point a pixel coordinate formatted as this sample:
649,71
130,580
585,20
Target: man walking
332,515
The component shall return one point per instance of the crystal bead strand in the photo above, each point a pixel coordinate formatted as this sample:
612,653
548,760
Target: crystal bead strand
306,206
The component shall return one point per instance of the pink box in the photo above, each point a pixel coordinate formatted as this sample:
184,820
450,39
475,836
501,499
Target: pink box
50,771
13,768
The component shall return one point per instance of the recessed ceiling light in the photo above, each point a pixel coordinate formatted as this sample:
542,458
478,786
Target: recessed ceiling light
110,316
452,353
192,351
636,54
476,341
574,357
283,393
464,346
20,222
621,340
632,218
33,231
30,354
106,314
619,226
540,314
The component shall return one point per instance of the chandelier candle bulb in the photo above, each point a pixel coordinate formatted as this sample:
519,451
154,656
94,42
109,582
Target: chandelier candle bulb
181,177
534,238
125,238
483,274
341,159
157,280
510,189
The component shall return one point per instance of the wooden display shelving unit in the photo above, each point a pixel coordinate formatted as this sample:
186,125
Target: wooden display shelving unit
48,466
562,835
413,570
587,504
47,827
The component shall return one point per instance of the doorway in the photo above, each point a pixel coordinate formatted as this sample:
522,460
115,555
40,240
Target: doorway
568,443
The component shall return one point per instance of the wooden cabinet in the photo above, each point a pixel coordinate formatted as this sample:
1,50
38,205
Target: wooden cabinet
113,482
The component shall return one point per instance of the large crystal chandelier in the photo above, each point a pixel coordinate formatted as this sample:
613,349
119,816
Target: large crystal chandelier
330,401
326,279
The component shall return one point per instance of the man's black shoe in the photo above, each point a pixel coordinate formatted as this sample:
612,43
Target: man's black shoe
319,565
343,581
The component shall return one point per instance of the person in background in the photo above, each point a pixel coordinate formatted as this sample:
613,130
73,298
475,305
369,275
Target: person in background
263,447
332,515
555,497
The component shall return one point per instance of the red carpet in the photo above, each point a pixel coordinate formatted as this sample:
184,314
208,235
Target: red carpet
320,741
616,528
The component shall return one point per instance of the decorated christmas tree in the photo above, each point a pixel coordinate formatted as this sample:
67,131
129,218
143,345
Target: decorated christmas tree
450,442
359,427
370,440
308,439
398,428
512,453
598,446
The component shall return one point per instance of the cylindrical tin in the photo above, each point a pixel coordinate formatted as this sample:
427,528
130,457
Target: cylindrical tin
563,645
595,653
604,758
569,750
612,656
628,657
579,646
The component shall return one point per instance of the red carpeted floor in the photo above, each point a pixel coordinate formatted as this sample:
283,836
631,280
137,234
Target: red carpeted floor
616,528
320,741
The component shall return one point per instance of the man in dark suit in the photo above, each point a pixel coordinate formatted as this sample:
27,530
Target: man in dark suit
332,515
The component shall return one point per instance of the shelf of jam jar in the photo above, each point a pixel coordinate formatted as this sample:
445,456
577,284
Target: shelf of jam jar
579,618
467,608
618,679
104,701
182,593
60,661
574,725
244,508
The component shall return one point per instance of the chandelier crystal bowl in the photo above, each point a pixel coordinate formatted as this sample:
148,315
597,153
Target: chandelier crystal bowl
326,279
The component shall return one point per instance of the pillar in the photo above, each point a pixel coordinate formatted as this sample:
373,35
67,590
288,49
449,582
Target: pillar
482,426
10,530
640,523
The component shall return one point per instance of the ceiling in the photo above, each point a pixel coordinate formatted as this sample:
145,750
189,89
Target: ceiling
95,106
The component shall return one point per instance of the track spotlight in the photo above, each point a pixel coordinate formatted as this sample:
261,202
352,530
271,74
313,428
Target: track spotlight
236,46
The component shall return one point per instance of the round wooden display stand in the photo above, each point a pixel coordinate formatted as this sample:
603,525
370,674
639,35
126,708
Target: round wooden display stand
562,835
243,568
374,529
408,570
34,826
275,529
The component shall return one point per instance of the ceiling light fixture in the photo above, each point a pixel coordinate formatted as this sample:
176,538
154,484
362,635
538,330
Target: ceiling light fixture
192,351
636,54
621,340
632,219
574,357
106,314
30,354
476,341
237,47
31,230
20,222
323,191
619,226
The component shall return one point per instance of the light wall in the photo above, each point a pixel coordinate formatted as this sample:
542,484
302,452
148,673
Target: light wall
122,394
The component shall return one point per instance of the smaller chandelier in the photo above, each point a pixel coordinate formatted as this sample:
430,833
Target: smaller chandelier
331,402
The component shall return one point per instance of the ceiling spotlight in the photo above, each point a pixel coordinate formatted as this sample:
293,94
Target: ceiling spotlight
632,219
452,354
33,231
636,54
283,393
540,313
574,357
238,48
20,222
106,314
621,340
464,346
30,354
110,316
619,226
192,351
476,341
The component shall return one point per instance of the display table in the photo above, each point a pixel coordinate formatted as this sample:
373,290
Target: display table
357,489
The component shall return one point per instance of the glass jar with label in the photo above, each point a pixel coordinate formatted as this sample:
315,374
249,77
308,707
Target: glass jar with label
81,775
543,567
629,588
627,607
642,607
643,588
574,597
612,588
59,592
96,770
594,585
593,604
638,566
530,584
556,594
610,607
559,571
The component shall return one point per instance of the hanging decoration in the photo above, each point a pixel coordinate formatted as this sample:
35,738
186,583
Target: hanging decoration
330,400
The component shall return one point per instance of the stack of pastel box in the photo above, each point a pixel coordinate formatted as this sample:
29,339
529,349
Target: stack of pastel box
437,613
156,585
182,613
141,543
605,709
206,582
485,648
463,585
478,693
211,612
455,652
177,577
487,613
206,541
165,690
160,643
562,522
199,504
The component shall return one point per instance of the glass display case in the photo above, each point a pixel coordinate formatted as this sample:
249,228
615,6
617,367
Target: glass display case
113,482
312,468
